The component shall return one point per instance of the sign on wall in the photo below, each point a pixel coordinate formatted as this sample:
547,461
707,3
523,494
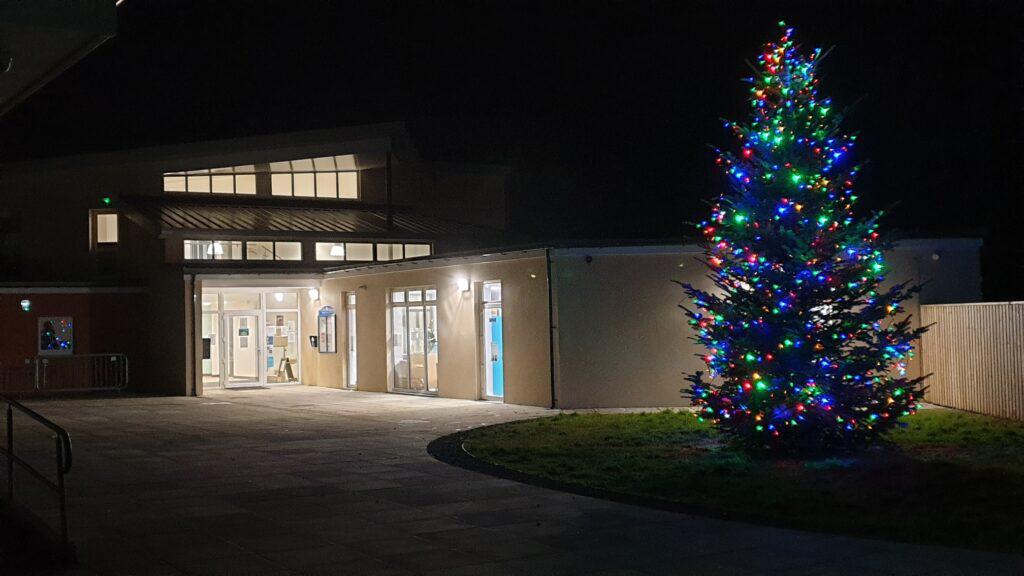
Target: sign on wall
56,336
327,324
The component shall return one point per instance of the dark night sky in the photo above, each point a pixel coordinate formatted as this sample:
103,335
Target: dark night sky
603,109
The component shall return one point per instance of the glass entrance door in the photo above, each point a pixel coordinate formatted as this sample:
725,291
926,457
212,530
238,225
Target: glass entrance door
413,334
350,336
241,349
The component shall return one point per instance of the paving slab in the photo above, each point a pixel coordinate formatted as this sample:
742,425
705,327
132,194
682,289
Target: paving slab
306,480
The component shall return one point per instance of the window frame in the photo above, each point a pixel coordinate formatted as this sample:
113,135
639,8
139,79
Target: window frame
405,303
244,252
274,170
94,244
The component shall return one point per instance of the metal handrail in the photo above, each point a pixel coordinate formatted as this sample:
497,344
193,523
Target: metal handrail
63,458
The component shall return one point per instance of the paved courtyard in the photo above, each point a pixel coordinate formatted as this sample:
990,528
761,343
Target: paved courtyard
306,480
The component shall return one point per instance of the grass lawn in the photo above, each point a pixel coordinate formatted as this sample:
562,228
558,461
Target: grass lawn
950,478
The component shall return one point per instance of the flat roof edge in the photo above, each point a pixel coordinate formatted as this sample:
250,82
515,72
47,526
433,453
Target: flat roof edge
436,262
54,289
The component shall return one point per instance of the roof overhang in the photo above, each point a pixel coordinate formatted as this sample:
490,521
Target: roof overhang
254,217
40,39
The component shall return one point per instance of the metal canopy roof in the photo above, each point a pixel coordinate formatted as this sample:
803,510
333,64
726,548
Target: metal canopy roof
178,217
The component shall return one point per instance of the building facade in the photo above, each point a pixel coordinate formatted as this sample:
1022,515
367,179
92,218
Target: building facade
341,259
150,220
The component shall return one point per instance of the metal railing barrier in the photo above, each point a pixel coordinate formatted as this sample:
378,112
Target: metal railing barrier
63,459
81,373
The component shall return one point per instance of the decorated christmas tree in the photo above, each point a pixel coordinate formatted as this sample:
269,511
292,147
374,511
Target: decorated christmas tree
805,351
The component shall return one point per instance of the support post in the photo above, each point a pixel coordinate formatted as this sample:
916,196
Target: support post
387,190
10,453
61,494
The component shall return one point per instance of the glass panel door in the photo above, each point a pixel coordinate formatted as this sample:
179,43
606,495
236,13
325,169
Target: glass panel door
282,347
350,333
241,351
417,349
399,349
494,353
414,340
431,343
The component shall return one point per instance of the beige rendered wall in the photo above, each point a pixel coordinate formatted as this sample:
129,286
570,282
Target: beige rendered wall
622,341
524,306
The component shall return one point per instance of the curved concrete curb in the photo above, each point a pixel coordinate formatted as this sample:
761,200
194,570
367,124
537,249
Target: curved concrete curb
450,450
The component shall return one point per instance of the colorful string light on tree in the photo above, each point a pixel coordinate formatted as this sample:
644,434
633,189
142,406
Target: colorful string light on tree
805,352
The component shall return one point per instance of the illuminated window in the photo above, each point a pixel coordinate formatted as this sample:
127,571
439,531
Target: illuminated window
245,184
103,228
213,250
327,184
387,252
329,177
287,250
417,250
303,185
330,250
259,250
364,251
281,184
348,185
359,252
174,184
254,250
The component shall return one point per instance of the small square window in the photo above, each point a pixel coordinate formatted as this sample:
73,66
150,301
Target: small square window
198,250
417,250
174,183
415,296
287,251
245,184
348,185
225,250
105,228
199,183
259,250
492,292
388,252
431,294
281,184
304,186
223,184
330,251
326,185
398,296
359,252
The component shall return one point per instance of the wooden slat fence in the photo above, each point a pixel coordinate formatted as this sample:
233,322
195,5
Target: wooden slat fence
975,353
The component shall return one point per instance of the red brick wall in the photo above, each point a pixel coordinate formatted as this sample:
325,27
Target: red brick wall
103,323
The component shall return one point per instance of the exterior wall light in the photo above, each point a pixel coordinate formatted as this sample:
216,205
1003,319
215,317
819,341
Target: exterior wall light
463,284
314,294
26,305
